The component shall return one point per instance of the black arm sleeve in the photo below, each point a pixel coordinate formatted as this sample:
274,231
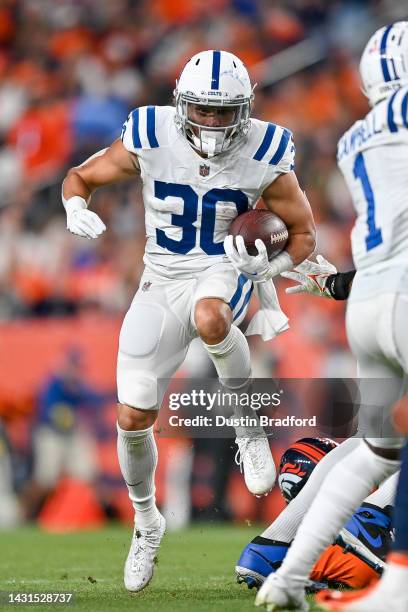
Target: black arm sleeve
339,284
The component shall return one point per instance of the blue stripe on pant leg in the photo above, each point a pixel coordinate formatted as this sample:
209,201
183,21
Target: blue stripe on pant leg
245,302
242,279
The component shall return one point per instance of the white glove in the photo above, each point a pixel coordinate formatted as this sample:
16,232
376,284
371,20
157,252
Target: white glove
255,267
311,277
80,220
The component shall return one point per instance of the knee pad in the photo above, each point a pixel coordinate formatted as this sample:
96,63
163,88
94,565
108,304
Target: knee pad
142,329
137,388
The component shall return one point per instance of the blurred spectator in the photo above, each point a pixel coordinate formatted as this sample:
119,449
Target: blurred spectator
10,510
62,444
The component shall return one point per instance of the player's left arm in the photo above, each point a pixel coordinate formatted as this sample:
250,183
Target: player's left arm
285,198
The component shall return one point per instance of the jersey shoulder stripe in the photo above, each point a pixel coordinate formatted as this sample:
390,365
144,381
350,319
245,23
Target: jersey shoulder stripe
276,144
135,129
151,126
142,130
266,142
144,127
281,148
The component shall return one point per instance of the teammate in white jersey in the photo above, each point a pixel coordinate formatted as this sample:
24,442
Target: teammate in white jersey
373,156
202,164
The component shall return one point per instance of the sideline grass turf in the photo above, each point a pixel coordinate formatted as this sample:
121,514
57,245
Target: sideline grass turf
195,571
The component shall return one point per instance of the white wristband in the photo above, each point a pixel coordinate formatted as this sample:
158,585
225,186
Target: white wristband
280,263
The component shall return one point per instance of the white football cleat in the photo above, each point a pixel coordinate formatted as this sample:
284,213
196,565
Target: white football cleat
254,458
277,593
139,566
373,599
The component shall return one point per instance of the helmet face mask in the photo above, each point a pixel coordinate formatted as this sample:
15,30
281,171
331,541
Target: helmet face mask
211,138
384,62
218,80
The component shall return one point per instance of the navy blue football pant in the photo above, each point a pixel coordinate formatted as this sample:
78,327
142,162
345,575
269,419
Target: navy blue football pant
401,506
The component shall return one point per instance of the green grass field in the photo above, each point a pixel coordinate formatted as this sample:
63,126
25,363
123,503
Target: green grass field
195,570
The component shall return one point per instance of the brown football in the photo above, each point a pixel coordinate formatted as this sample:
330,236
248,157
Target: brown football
263,224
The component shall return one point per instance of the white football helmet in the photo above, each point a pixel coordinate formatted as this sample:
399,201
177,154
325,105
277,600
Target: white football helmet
213,78
384,63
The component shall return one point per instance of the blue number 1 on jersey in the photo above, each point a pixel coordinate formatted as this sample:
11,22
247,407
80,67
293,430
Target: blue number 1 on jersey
374,236
189,217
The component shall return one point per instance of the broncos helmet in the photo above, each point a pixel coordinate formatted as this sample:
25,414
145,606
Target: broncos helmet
299,461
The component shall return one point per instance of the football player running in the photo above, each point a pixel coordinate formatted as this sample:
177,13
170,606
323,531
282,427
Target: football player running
372,155
202,163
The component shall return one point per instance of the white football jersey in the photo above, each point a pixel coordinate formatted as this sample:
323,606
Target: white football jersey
373,157
190,201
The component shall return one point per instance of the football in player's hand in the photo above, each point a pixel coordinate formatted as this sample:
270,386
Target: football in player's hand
263,224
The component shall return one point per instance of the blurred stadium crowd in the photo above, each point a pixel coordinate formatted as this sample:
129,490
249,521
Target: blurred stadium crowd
70,71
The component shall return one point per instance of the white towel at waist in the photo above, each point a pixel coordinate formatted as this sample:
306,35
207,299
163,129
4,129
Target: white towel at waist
269,320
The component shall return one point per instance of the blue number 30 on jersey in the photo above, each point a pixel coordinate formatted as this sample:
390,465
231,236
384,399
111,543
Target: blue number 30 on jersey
189,217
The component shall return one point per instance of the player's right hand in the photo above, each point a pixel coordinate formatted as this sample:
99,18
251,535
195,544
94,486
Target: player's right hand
255,267
311,277
85,223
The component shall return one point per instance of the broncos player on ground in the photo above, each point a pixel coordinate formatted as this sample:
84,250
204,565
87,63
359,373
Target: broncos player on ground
202,163
373,156
355,559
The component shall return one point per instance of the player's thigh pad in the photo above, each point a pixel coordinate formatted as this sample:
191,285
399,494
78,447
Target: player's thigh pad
142,329
152,345
373,336
222,281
